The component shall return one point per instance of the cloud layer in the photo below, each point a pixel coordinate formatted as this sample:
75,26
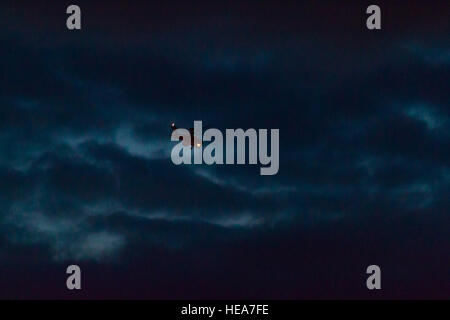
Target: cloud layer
86,176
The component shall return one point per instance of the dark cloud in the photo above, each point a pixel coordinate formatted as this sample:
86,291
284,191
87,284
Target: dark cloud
86,176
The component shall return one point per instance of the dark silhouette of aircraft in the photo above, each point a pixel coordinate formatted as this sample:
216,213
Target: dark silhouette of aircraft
190,139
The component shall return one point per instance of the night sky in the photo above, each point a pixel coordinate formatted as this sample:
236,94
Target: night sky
85,170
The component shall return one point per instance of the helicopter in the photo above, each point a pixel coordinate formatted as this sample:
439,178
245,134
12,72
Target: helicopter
190,139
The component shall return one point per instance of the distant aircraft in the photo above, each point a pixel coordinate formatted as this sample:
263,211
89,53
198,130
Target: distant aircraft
191,140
